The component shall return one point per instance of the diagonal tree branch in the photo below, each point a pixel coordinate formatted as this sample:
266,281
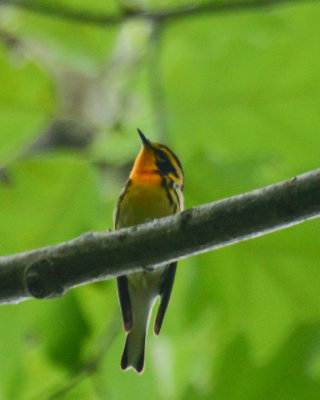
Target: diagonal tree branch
50,271
175,13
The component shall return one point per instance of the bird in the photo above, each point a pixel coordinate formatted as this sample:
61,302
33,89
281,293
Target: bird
153,190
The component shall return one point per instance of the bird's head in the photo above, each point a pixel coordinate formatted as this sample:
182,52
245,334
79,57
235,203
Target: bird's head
155,162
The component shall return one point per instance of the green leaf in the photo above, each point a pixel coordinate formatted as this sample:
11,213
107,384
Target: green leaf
26,100
284,377
48,200
64,42
63,330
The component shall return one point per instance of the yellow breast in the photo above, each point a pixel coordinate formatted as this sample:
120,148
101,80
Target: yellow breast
143,202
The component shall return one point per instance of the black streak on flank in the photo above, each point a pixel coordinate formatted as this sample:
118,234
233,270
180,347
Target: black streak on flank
167,189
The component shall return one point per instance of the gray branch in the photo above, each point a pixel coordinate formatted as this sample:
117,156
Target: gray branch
50,271
175,13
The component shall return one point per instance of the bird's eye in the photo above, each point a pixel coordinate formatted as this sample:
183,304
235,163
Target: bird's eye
163,157
164,164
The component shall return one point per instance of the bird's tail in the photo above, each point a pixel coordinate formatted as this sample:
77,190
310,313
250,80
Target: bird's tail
134,349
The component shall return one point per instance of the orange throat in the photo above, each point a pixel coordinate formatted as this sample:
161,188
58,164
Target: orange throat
144,171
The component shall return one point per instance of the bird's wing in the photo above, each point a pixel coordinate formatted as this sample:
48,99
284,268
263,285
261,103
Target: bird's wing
122,281
165,292
125,303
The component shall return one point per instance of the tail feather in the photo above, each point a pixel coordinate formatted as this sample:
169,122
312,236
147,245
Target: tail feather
133,353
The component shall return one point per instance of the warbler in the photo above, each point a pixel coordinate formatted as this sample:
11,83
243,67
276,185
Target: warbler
154,190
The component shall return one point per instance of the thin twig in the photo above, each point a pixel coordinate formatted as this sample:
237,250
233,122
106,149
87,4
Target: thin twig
216,7
174,13
90,366
74,15
9,39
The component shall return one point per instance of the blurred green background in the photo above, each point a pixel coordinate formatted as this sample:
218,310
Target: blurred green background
236,95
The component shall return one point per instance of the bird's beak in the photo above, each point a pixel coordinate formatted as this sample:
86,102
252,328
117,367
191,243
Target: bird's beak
146,142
